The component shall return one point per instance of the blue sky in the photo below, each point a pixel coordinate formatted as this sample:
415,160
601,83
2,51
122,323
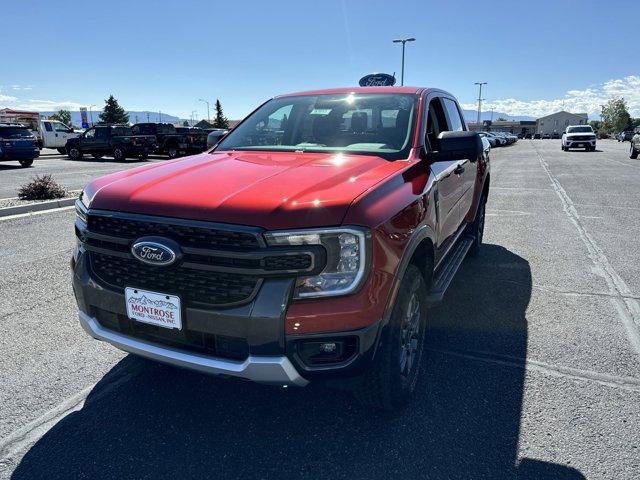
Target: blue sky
164,55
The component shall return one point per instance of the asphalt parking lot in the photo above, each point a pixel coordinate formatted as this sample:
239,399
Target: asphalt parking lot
532,368
73,174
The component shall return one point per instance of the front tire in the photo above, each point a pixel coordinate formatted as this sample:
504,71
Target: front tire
477,228
633,153
391,381
26,163
74,153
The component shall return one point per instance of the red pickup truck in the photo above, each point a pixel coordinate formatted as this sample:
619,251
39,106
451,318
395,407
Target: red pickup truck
306,246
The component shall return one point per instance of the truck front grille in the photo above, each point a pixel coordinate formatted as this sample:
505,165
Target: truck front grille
194,287
219,265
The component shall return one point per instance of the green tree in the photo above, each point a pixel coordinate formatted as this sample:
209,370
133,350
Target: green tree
113,112
220,121
185,123
615,115
63,116
501,119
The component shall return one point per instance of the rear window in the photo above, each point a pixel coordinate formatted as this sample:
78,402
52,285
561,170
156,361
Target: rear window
15,132
121,131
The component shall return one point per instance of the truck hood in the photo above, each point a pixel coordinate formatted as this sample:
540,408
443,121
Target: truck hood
269,190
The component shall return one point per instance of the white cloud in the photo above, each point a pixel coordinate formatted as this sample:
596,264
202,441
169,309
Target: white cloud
577,101
47,105
21,87
7,98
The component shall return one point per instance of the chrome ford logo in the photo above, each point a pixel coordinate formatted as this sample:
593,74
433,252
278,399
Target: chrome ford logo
155,251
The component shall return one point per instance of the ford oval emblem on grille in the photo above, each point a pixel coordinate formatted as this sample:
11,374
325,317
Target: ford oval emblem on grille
155,251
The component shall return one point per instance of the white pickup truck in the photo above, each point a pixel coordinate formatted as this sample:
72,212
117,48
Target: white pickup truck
53,134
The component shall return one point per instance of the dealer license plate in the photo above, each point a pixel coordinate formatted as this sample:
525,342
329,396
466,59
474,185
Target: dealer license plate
154,308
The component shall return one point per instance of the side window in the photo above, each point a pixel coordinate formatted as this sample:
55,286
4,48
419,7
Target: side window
61,127
90,133
436,123
101,133
48,127
455,120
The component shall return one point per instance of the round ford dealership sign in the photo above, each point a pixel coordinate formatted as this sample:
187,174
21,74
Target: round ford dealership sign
377,80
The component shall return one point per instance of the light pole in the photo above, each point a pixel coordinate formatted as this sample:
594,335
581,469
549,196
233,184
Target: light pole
91,114
403,41
208,116
480,98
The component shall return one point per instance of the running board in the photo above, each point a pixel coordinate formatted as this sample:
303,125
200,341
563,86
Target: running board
449,269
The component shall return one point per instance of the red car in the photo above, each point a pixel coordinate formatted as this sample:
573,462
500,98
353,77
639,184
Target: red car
307,246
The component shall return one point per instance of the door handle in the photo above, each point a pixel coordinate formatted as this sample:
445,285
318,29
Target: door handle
459,170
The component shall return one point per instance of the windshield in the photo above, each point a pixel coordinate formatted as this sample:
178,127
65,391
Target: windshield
378,124
585,129
15,132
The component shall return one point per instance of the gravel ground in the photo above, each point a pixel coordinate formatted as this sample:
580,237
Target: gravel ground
532,369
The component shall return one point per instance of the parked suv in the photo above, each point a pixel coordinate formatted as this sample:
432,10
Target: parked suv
579,136
635,144
116,140
306,246
17,143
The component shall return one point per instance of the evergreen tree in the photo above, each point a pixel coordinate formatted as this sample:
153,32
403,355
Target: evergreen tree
63,116
112,112
185,123
220,121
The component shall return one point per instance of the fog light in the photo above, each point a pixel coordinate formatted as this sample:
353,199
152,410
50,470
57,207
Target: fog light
328,347
334,350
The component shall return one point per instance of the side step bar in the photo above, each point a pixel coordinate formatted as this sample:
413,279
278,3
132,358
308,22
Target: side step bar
449,269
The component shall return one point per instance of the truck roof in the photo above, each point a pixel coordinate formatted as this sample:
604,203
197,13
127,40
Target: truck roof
339,90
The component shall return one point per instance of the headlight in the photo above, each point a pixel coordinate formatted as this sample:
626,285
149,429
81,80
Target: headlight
82,205
346,259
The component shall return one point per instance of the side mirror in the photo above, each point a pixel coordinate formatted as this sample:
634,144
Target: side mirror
457,146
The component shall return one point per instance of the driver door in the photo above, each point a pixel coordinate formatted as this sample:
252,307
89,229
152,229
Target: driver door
448,190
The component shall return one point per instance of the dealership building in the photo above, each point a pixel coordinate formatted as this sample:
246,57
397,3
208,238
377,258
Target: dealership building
559,121
550,124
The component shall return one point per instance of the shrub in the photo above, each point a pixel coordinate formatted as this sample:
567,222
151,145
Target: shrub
42,188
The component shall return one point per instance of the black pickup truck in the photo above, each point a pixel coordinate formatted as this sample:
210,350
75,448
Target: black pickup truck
196,139
116,140
173,141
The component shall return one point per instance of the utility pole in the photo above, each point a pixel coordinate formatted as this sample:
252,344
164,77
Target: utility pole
403,41
159,116
480,84
208,116
147,117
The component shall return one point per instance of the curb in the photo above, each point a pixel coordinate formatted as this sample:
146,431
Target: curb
37,207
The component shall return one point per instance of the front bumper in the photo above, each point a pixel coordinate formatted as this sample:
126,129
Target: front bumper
264,369
579,143
259,350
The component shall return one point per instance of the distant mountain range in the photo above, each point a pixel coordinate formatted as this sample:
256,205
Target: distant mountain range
134,117
472,116
147,116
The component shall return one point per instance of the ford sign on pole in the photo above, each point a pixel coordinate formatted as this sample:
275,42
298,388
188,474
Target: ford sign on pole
378,80
83,117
